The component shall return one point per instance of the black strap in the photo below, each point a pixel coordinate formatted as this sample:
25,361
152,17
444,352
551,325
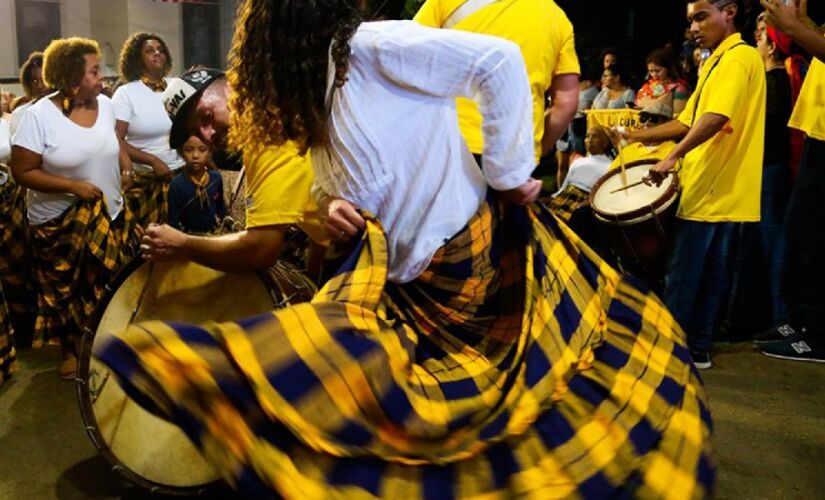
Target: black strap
705,82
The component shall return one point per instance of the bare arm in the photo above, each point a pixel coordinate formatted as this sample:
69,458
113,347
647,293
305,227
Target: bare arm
793,20
565,96
249,250
26,166
706,127
673,130
136,155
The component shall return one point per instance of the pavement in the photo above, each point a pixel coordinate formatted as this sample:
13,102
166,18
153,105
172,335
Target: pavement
769,418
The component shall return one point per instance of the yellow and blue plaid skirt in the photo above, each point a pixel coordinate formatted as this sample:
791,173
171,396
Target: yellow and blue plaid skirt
16,274
147,199
566,202
518,364
75,257
8,356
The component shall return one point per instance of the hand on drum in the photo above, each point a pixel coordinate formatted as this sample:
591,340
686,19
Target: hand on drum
162,243
523,195
659,172
341,219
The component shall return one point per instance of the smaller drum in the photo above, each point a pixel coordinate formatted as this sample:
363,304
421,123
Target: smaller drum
149,451
639,218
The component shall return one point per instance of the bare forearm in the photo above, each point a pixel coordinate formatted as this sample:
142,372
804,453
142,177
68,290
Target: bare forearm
139,156
673,130
237,252
42,181
705,128
809,39
555,123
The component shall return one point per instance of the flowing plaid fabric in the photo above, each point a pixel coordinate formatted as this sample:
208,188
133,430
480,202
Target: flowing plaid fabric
519,364
8,356
75,257
148,200
15,250
566,202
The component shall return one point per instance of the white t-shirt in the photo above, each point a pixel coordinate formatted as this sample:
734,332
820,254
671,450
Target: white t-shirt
395,148
17,116
149,124
5,141
71,151
584,172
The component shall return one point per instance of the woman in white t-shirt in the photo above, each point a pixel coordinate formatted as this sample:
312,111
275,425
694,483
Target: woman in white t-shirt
31,79
66,152
143,124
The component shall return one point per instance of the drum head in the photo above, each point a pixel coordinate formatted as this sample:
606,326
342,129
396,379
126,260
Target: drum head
612,203
148,450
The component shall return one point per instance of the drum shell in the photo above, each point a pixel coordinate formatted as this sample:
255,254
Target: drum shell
275,288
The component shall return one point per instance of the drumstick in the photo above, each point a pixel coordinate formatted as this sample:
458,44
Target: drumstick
621,155
625,188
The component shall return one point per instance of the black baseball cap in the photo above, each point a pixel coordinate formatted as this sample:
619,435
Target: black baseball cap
179,96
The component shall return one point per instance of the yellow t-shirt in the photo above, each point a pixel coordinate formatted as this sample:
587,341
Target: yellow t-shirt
809,113
545,36
278,183
722,178
638,152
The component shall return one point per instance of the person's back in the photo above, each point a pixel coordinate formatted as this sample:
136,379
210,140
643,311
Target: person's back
542,31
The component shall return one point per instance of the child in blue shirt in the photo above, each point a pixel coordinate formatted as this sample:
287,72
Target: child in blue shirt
196,194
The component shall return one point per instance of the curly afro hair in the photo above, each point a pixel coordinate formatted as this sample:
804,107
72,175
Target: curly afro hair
131,56
64,61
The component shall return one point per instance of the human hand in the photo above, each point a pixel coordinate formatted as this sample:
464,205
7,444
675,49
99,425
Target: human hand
127,179
86,191
659,172
341,219
619,136
785,17
161,170
523,195
162,243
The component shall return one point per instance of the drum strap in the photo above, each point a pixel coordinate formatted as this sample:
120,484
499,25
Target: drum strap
705,82
466,10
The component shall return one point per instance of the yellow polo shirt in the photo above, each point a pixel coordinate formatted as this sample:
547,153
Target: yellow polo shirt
638,152
545,36
722,178
278,183
809,113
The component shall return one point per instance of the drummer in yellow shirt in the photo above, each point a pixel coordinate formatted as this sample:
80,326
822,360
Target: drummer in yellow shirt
650,116
545,35
278,189
721,133
802,338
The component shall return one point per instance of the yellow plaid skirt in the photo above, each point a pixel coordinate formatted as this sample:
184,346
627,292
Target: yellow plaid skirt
8,356
75,257
566,202
147,199
16,274
518,364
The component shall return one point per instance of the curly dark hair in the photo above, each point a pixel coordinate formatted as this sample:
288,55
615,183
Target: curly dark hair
34,61
278,69
64,61
131,55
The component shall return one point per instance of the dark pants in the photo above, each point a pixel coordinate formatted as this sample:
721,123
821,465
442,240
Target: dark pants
696,278
756,303
804,270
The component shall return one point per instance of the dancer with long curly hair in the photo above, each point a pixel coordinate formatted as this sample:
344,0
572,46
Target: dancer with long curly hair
467,344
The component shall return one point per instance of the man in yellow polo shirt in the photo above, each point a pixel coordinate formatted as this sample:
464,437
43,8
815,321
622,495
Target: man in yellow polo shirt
721,133
803,338
278,186
544,34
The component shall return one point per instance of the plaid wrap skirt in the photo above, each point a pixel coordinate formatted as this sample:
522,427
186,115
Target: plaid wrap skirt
566,202
75,257
8,356
16,274
147,199
518,364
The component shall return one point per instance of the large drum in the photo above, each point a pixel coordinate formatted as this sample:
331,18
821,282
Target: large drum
146,449
639,217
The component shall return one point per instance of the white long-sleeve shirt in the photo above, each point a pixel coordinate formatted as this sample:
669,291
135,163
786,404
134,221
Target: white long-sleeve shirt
5,141
395,148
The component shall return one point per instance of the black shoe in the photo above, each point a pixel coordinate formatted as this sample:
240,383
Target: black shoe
797,348
781,332
701,359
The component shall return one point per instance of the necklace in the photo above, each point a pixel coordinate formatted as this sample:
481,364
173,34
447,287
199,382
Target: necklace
154,86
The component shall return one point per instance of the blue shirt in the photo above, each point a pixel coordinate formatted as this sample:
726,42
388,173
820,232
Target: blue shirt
185,212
